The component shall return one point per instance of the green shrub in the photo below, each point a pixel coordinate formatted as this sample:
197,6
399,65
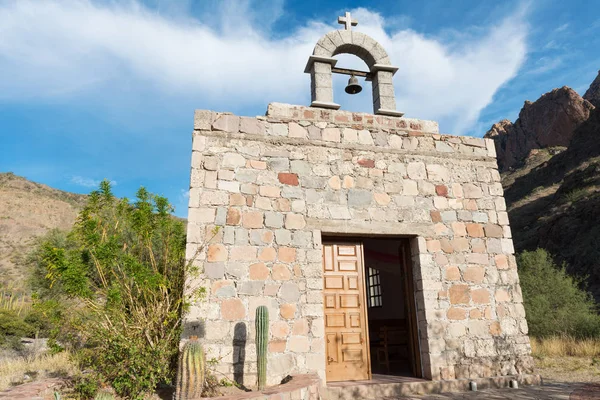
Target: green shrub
12,329
116,281
86,386
554,302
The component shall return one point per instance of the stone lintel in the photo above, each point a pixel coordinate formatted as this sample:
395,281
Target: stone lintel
391,113
313,59
381,67
350,227
325,104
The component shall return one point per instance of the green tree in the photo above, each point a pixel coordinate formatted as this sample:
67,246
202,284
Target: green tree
119,275
554,302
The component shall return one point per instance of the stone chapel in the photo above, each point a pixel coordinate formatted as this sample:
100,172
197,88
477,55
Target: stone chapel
380,246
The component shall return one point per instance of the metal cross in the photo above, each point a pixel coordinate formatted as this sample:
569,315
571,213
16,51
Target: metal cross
347,21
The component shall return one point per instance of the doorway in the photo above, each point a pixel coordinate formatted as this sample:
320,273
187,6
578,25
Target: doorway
370,319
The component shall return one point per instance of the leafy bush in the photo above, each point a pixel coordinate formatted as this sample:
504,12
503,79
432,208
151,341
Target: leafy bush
12,329
120,272
19,319
554,302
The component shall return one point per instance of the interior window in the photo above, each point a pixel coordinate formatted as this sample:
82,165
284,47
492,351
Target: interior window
375,298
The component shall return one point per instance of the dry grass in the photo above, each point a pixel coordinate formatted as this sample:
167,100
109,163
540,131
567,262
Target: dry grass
565,359
12,302
564,346
13,371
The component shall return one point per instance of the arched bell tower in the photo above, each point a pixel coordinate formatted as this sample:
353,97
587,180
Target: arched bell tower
321,65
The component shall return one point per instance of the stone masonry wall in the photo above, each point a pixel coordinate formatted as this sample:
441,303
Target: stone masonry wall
276,184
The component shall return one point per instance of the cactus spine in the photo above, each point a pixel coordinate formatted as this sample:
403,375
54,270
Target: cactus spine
191,371
262,340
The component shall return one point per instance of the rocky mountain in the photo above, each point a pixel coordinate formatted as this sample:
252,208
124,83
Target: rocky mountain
550,121
593,93
27,211
550,164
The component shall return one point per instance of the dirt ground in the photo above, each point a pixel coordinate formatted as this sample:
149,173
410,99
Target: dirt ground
568,369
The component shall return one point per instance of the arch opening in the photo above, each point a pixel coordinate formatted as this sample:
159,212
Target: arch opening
322,61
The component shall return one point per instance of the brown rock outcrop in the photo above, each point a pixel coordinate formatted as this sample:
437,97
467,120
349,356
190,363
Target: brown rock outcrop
549,121
593,93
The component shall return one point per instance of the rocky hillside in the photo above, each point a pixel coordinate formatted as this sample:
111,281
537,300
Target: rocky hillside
27,211
593,93
550,164
549,121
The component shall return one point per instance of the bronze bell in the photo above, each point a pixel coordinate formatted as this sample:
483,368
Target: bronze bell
353,86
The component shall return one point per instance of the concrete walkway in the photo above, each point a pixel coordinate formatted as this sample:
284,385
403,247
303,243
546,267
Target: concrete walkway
549,391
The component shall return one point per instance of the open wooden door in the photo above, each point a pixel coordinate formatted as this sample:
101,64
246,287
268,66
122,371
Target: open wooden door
346,331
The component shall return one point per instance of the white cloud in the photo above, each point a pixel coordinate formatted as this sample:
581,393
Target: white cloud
67,49
88,182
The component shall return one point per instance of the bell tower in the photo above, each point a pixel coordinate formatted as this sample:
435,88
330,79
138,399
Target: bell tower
321,64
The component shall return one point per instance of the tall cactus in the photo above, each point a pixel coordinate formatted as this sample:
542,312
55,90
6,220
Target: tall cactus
262,341
191,371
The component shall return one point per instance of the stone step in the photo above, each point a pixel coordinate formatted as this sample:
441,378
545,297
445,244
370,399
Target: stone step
389,387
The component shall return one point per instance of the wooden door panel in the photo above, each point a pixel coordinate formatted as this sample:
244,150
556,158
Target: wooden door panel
345,312
349,301
335,320
349,265
352,282
352,338
334,282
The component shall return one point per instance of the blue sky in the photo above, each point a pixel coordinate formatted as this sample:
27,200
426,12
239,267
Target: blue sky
106,89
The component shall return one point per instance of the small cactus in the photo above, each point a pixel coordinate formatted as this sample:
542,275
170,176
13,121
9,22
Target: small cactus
57,396
262,341
191,371
104,396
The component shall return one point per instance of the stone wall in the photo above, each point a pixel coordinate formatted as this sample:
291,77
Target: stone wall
276,184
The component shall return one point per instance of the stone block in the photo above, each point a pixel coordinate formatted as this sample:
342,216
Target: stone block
242,253
279,129
252,219
280,329
274,219
298,344
437,173
227,123
217,252
267,254
287,178
289,292
474,274
331,135
297,131
252,288
455,313
259,271
480,296
281,272
472,191
294,221
232,309
459,294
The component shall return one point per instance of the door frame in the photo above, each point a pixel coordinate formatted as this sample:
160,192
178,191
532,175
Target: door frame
410,300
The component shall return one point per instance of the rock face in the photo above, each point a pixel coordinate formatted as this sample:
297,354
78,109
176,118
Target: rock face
550,121
593,93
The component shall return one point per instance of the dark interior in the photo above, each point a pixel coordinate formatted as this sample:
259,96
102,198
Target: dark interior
390,341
